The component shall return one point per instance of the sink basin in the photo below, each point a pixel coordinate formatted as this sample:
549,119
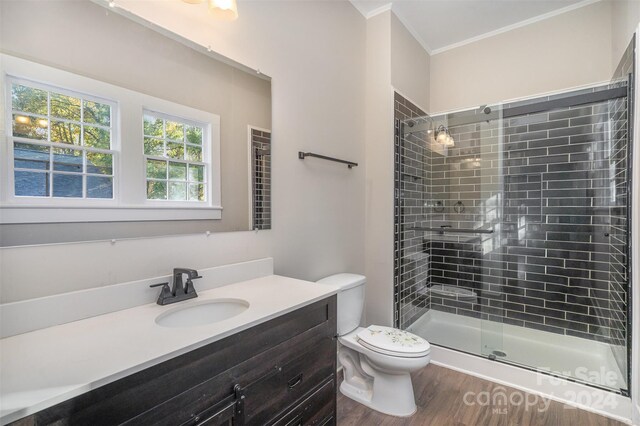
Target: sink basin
201,313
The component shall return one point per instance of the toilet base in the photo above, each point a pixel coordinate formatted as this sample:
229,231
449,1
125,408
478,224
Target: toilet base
384,391
402,404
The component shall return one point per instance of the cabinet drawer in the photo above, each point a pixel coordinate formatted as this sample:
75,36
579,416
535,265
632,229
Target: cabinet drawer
315,410
271,396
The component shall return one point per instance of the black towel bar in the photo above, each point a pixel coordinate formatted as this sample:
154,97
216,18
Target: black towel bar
302,155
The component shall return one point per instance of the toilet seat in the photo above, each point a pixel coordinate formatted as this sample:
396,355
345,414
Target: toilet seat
393,342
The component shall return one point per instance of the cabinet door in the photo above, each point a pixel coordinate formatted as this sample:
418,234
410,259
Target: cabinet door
318,409
229,412
273,395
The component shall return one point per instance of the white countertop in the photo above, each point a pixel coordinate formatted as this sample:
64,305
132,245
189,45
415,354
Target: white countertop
45,367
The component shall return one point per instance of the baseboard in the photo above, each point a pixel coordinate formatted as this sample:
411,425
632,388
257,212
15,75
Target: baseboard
573,394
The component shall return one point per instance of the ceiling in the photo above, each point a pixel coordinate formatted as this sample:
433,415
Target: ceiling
442,24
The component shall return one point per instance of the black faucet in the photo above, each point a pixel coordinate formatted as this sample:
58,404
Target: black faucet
178,291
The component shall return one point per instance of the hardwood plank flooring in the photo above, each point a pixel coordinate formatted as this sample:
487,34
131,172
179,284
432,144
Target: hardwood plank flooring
440,396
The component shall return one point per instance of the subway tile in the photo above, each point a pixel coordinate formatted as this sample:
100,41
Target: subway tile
548,269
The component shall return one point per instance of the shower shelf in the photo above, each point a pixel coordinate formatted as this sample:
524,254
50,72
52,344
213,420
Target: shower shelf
414,177
444,230
452,292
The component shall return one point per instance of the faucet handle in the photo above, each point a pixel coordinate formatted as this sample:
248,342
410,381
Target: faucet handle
164,295
161,284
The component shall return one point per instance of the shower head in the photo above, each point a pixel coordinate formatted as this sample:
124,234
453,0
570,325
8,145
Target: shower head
414,126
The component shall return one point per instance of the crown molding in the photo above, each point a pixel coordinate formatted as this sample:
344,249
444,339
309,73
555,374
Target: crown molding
515,26
371,13
427,48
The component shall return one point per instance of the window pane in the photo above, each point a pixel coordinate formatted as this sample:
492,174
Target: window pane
196,192
174,130
31,184
196,173
99,187
177,191
175,150
154,147
27,156
67,185
25,126
97,113
28,99
99,163
178,171
152,126
65,107
67,160
156,190
97,137
156,169
194,153
65,132
194,134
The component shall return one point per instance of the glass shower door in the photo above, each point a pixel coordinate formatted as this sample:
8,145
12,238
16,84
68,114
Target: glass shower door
485,217
464,214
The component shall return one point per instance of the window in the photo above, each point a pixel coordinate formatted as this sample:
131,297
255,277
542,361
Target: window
81,150
174,151
62,143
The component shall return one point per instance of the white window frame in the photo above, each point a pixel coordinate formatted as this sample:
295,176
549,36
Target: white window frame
129,203
51,200
206,155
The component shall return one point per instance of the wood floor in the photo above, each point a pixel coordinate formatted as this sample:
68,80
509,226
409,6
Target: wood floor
440,396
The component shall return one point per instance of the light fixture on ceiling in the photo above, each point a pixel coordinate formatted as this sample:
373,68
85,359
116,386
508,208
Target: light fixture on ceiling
222,9
443,136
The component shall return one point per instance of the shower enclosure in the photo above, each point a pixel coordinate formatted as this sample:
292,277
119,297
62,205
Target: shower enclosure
512,230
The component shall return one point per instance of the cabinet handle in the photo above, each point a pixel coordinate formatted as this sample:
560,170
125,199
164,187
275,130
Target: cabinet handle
295,381
297,421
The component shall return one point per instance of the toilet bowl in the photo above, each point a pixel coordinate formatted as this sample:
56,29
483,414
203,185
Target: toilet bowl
377,361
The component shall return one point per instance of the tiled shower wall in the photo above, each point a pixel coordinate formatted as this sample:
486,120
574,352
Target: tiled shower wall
261,178
411,185
551,186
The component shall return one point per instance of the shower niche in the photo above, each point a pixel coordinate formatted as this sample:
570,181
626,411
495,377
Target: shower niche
512,230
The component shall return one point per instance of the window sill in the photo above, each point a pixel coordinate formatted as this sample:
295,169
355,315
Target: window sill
45,214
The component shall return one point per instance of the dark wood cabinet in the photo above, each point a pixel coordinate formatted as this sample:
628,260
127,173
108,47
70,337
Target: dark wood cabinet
279,372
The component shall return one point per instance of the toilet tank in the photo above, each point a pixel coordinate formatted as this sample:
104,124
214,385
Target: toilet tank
350,300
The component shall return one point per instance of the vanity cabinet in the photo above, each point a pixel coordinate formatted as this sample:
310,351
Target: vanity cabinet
280,372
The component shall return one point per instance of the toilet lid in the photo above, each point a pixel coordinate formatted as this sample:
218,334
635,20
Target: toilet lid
392,341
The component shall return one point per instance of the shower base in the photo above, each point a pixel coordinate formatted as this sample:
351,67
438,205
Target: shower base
583,360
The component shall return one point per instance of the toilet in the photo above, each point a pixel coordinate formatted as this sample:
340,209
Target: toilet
376,360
